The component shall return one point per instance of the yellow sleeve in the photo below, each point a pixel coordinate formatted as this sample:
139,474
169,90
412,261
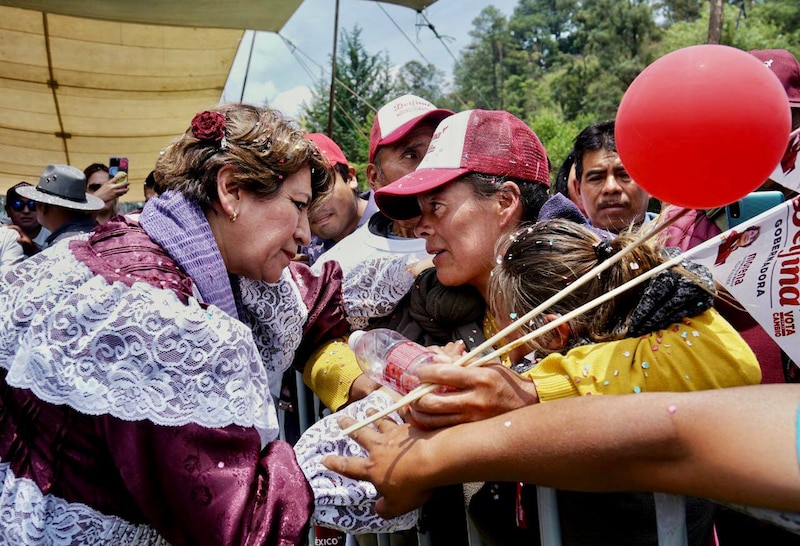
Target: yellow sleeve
330,371
700,353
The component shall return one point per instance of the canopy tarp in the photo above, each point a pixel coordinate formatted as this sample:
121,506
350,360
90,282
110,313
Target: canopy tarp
77,90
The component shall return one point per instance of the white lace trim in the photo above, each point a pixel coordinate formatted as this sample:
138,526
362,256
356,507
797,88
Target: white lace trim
373,287
340,502
29,517
276,313
136,353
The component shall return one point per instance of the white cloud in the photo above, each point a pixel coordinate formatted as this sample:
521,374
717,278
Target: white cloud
284,73
289,101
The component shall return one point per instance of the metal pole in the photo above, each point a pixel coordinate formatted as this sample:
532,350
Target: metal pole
333,70
247,69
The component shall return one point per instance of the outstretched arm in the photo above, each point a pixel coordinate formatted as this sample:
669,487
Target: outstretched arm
737,445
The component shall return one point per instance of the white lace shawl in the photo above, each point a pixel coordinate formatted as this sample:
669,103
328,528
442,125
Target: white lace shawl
139,353
376,272
29,517
276,314
133,352
343,503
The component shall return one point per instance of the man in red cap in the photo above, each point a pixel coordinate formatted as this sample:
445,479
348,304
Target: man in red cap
343,210
398,141
399,138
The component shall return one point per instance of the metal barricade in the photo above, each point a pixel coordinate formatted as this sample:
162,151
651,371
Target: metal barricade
670,509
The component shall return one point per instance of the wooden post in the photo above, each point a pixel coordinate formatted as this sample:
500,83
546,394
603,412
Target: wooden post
715,22
333,71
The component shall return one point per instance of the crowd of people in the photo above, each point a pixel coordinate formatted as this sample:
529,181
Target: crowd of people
144,356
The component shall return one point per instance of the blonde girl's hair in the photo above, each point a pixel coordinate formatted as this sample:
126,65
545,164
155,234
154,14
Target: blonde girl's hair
542,259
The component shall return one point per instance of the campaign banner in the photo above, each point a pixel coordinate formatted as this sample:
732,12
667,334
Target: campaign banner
758,262
787,173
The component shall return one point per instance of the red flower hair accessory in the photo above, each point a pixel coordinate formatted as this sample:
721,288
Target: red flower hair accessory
209,126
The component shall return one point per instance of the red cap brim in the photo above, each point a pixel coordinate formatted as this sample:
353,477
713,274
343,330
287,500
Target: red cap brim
398,200
433,115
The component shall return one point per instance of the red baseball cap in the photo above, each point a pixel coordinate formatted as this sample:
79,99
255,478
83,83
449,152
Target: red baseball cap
397,118
492,142
786,67
328,148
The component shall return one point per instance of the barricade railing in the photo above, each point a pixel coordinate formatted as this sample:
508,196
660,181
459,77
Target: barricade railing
670,509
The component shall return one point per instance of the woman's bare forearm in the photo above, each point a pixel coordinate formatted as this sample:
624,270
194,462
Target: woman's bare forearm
736,445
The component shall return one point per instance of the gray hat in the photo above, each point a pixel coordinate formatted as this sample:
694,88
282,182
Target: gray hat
62,186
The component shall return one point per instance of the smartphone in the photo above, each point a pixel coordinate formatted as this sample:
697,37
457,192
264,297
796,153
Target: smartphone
117,164
751,205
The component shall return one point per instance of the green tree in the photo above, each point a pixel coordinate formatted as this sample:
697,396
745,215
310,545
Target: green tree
681,10
480,73
543,29
784,15
423,80
755,29
363,83
613,43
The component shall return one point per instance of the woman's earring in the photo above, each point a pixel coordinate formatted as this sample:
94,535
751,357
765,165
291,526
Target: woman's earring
234,216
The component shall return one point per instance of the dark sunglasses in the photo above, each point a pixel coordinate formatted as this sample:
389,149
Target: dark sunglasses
18,205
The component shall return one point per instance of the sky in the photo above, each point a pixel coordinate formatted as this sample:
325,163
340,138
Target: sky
285,79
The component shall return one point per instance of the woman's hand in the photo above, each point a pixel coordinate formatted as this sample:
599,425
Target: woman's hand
396,465
475,394
114,188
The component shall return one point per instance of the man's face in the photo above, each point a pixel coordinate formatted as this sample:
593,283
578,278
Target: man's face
336,216
612,200
402,157
397,160
21,213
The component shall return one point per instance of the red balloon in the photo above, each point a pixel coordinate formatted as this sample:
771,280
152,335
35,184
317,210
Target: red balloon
703,126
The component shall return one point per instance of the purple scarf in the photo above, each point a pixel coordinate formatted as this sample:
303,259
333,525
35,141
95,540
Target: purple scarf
181,229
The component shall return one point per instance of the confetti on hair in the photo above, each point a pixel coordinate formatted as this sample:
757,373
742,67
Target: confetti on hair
634,266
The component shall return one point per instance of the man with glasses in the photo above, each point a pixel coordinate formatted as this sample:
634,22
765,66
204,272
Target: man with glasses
22,212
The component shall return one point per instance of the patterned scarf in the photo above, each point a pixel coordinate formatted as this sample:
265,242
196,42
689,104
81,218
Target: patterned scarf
181,229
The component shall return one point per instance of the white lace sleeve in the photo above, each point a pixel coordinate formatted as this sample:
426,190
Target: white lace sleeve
343,503
375,286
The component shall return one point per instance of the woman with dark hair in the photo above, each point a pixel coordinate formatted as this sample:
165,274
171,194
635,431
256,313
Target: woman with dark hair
660,336
101,184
